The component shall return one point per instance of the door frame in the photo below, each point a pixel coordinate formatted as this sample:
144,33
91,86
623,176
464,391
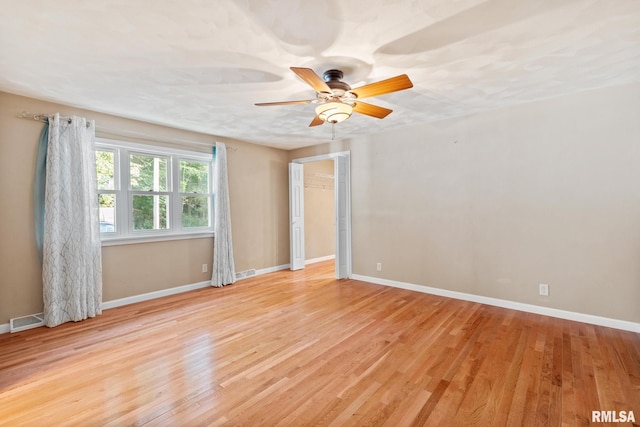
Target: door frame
341,256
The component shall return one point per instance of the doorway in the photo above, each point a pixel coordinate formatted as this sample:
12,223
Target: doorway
341,223
319,221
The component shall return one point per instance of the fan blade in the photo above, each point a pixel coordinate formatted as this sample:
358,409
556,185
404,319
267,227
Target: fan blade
316,121
371,110
393,84
264,104
312,79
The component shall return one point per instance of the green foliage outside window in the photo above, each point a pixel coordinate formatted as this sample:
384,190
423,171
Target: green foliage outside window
149,173
150,212
105,171
194,178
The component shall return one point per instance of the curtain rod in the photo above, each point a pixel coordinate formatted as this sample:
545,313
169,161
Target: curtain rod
105,132
42,117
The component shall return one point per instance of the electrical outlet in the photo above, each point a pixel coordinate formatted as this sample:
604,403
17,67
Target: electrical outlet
544,289
379,266
204,268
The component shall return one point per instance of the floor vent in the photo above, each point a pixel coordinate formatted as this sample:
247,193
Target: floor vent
23,323
245,274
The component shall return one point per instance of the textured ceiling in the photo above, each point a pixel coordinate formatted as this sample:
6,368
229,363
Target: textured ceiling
201,65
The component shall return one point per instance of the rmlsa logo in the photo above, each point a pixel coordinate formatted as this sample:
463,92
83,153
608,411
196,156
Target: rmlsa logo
613,417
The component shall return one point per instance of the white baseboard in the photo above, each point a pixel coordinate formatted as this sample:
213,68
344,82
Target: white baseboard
322,258
272,269
153,295
178,290
529,308
6,328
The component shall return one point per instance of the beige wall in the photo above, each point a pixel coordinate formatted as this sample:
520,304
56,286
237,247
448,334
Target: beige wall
259,202
496,203
491,204
146,267
259,195
319,232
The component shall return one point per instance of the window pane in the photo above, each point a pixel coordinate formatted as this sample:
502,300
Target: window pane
194,176
105,170
195,211
150,212
107,212
148,173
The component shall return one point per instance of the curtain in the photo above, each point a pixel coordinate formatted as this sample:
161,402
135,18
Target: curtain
39,185
72,263
223,271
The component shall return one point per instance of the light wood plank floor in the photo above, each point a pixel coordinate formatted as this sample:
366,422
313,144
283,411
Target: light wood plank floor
300,348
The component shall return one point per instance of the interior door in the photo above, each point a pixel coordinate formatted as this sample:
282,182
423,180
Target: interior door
296,215
342,204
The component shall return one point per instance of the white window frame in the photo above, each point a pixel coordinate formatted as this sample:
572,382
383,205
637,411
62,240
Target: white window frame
125,234
116,180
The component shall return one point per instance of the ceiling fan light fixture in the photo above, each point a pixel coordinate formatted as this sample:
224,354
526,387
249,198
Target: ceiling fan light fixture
334,112
337,101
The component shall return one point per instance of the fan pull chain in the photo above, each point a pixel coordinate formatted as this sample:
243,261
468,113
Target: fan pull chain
333,131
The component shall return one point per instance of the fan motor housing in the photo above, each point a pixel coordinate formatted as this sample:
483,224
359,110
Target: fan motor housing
333,80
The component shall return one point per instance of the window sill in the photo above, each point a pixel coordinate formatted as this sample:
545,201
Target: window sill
115,241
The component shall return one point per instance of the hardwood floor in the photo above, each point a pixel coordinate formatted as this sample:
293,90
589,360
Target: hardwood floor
300,348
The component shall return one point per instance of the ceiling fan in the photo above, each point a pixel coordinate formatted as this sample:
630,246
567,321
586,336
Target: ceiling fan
337,100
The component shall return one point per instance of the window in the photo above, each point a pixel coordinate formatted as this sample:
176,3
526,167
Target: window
106,174
147,193
194,193
149,190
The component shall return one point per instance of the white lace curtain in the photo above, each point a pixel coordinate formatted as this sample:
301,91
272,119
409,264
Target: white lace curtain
223,271
72,263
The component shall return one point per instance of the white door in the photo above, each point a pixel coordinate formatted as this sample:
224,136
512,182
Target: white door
342,228
296,215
